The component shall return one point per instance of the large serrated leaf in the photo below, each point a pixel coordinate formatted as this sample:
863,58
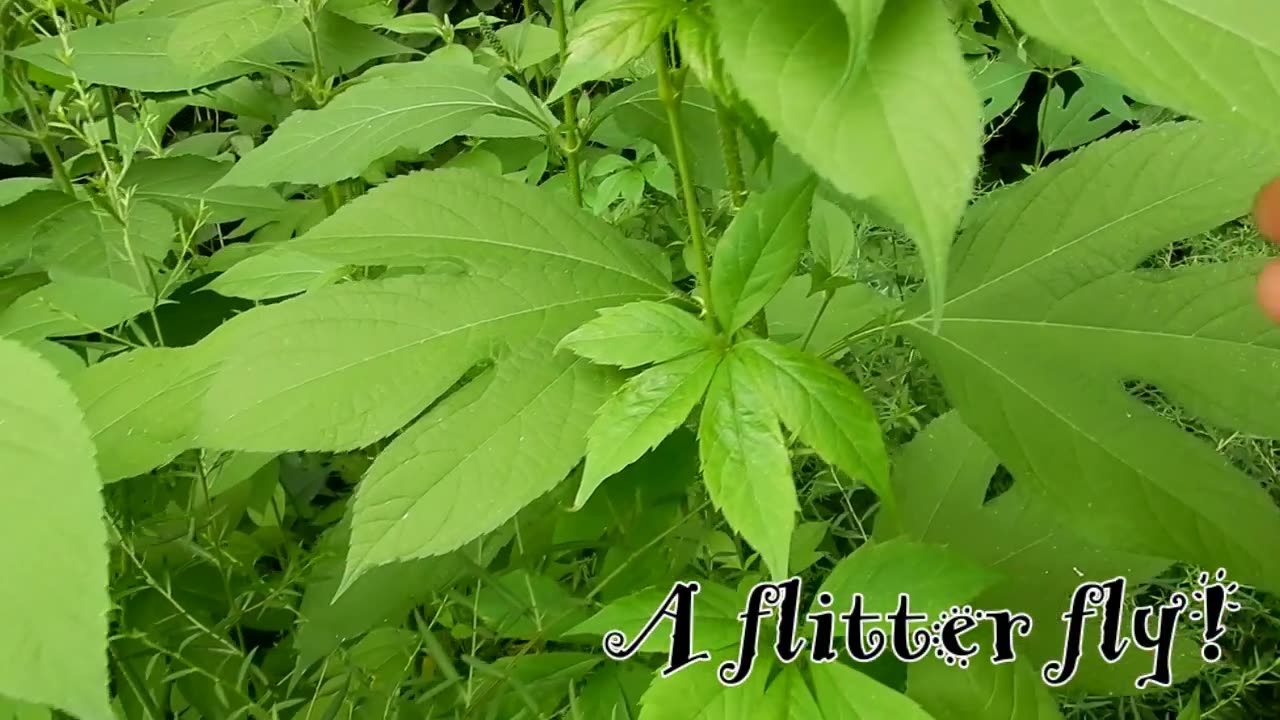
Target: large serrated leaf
941,478
219,33
142,407
345,365
716,609
822,407
936,578
638,334
134,53
476,459
24,219
72,305
644,411
413,106
1048,320
78,239
488,226
185,183
610,33
981,691
54,596
695,693
745,463
1157,47
759,252
890,116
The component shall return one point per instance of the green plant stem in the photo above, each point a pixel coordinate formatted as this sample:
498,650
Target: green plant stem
42,136
135,683
109,109
732,157
317,72
671,100
572,142
813,326
55,162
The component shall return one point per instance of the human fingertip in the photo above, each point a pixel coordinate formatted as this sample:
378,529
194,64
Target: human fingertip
1266,210
1269,290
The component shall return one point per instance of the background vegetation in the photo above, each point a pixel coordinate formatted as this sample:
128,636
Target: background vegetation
333,409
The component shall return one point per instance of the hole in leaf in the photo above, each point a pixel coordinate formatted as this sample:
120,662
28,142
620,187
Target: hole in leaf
1235,240
1001,481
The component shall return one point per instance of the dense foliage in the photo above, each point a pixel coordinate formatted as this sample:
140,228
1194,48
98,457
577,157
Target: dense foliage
376,361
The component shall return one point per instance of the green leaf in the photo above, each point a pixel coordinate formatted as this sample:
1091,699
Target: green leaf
134,53
536,684
14,188
70,306
644,411
81,240
638,113
223,31
1156,48
716,624
935,577
66,361
16,710
381,597
185,184
415,24
695,693
823,407
794,315
981,691
529,44
345,365
1065,124
1000,83
509,440
941,479
759,252
365,12
24,221
14,151
275,274
745,463
521,604
696,37
348,364
54,598
143,407
901,129
608,34
613,692
638,334
833,237
1192,709
843,692
1049,319
414,106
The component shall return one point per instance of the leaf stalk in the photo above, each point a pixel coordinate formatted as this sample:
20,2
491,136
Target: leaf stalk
572,142
671,100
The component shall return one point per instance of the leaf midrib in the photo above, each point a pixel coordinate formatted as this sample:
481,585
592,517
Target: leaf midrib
1083,327
1067,245
414,344
576,259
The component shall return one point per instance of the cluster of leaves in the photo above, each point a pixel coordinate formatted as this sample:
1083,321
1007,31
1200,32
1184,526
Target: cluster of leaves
365,363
